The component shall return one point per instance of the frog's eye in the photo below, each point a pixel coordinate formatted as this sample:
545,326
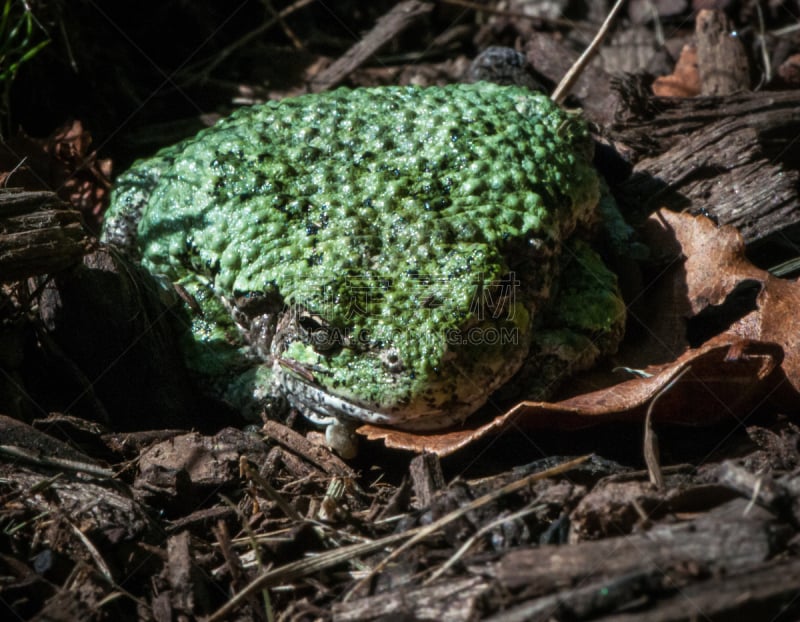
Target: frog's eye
391,360
318,333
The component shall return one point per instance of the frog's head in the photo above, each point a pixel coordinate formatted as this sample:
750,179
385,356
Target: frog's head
414,351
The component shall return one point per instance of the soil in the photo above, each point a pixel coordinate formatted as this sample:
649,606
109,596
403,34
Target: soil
126,494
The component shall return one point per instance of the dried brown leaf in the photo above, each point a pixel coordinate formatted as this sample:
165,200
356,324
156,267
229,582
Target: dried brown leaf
715,266
684,81
725,378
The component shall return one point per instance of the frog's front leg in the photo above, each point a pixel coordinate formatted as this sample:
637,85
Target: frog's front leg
254,394
261,392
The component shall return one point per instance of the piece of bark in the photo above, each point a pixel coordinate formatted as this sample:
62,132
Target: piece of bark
188,594
613,506
730,157
759,488
110,348
650,124
105,511
721,57
629,50
280,459
590,578
179,573
767,592
316,454
454,600
15,433
389,26
721,171
426,477
779,447
63,162
203,519
39,234
200,463
64,606
588,599
726,539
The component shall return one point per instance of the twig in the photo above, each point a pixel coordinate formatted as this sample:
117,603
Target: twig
761,42
303,567
400,17
287,30
31,457
101,564
253,34
462,550
17,166
273,495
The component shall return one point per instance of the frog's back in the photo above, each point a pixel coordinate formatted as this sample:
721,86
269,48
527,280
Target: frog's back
303,190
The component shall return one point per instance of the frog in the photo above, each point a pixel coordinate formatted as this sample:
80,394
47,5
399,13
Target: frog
390,255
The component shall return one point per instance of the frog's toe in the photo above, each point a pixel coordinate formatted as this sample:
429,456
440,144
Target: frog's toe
340,436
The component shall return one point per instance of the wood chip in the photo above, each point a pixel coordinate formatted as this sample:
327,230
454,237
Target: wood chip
426,477
721,57
316,454
39,234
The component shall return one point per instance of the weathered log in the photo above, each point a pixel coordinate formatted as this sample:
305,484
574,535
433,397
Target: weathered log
39,234
731,157
722,539
110,336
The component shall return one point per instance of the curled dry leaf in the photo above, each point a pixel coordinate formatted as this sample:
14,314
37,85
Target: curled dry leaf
725,378
63,163
744,358
684,81
723,286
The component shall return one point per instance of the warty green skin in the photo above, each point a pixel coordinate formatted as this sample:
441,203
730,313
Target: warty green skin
389,254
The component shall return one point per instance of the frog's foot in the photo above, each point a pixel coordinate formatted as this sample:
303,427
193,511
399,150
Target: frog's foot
260,392
340,434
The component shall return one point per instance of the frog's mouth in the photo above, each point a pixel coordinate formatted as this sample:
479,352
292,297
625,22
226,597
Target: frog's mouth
323,408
